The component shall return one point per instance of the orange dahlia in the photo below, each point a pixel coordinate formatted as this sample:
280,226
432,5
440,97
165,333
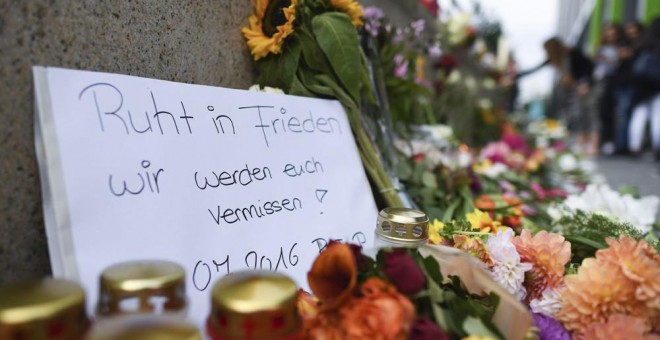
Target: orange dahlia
598,290
548,253
622,279
640,263
475,247
618,327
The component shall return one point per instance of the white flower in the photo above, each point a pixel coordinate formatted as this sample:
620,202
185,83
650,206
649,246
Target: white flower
457,28
603,200
266,89
567,162
507,270
495,170
549,303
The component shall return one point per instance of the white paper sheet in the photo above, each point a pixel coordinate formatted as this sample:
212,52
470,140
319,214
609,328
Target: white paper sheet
193,158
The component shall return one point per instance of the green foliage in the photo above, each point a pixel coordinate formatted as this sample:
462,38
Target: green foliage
338,39
587,233
278,70
447,302
443,193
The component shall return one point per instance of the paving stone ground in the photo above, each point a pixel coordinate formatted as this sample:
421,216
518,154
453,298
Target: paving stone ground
642,172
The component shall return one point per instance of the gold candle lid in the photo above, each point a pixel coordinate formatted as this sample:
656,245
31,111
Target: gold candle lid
136,286
403,225
42,309
145,327
254,305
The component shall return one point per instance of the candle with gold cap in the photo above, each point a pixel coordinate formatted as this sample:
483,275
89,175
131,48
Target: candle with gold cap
401,227
145,327
42,309
254,305
147,287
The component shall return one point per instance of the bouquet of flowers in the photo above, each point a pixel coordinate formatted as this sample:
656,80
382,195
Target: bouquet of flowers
311,48
607,277
402,294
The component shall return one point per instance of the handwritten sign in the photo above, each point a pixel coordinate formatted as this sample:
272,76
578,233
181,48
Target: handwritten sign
215,179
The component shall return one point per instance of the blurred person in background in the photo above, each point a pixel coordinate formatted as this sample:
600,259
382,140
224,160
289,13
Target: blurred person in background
606,61
624,84
646,101
576,72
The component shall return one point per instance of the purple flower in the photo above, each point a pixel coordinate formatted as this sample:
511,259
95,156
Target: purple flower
435,51
418,26
506,186
399,35
373,12
401,69
475,182
549,328
373,16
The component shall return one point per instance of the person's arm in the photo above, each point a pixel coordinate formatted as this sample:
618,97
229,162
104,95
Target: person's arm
532,70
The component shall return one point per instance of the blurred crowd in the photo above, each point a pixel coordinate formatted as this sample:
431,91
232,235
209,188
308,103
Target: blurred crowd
612,99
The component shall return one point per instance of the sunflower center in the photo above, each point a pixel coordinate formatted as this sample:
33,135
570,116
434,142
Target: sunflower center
274,16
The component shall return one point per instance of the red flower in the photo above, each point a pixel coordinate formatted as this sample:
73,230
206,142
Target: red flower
418,157
402,270
425,329
447,63
432,6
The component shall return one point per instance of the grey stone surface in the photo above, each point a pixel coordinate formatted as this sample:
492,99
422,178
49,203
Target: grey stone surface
641,172
185,41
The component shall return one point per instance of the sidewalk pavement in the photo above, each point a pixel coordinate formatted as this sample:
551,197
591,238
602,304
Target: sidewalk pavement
642,172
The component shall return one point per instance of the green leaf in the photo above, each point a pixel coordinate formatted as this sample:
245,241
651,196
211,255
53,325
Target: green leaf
474,326
404,170
298,89
338,39
312,53
432,269
367,89
439,316
449,213
308,79
429,180
279,70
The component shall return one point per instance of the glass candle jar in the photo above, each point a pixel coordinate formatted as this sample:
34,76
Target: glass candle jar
147,287
254,305
42,309
401,227
145,327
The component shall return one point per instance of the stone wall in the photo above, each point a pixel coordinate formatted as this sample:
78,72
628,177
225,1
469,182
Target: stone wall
194,42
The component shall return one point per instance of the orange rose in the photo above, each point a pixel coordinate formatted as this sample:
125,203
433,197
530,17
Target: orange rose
333,275
308,305
382,313
323,327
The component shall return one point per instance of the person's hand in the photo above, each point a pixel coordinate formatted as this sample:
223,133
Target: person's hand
566,80
583,89
625,52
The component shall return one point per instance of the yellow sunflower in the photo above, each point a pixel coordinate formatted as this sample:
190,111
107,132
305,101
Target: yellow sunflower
270,23
350,7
